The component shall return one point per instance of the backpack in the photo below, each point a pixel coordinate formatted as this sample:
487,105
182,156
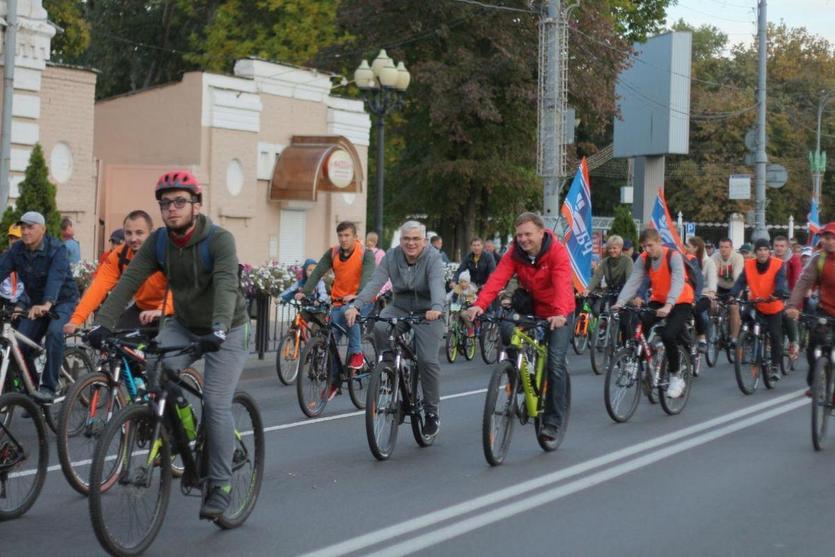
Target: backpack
161,241
693,275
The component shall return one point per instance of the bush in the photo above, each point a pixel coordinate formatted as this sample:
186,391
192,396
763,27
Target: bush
624,225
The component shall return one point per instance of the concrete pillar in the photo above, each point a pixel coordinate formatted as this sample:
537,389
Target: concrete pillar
648,177
736,229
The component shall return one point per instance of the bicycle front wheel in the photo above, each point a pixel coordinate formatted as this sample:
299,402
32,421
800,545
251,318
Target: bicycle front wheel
746,367
673,406
599,346
247,461
288,357
382,410
622,389
712,354
452,344
489,342
499,413
822,390
580,340
24,455
127,517
313,377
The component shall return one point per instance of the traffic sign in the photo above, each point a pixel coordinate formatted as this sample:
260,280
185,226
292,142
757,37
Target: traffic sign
739,186
691,229
775,176
751,139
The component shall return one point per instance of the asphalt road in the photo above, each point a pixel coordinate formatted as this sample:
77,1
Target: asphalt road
732,475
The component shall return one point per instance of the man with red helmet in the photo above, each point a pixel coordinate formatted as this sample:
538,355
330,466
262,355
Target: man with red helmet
200,262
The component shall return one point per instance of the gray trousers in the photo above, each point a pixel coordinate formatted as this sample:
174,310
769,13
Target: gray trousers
220,378
428,337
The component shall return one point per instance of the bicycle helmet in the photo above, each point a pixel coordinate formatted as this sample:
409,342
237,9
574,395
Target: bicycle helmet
178,180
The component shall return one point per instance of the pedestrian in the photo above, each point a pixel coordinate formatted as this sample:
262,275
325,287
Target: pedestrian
490,248
68,237
747,251
479,264
438,243
371,242
117,238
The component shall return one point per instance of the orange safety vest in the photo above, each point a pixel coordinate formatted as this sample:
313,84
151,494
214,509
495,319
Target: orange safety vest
347,274
661,280
761,285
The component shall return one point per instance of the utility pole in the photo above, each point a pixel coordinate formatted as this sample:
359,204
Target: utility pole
10,49
760,158
551,109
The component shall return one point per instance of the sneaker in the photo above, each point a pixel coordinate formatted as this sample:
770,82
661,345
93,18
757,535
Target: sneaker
676,387
44,395
702,347
794,351
431,425
330,393
216,502
549,433
356,361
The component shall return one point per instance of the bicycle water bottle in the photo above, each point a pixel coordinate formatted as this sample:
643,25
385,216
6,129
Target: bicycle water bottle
187,417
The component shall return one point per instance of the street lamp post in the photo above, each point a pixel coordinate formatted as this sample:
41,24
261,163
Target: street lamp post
818,159
383,85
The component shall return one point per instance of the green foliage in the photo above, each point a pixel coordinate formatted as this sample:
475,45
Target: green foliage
624,225
37,193
75,37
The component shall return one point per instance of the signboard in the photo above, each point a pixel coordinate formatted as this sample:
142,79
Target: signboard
690,229
340,168
739,186
775,176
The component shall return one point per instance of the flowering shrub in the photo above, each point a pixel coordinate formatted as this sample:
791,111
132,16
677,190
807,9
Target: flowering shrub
271,279
83,272
449,271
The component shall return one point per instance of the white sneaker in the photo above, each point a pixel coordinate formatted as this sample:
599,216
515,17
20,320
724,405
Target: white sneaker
676,387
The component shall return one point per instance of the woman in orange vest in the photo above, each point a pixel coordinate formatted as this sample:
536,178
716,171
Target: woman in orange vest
765,277
352,266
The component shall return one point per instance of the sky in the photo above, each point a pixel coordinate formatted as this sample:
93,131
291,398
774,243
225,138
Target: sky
738,18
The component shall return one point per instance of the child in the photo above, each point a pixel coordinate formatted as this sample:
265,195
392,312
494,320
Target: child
463,294
321,293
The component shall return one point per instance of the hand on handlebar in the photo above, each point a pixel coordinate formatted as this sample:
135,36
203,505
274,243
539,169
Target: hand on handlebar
97,336
433,315
472,312
39,310
792,313
664,310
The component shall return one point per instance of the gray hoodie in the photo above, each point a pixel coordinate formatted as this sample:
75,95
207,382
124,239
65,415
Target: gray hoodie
416,288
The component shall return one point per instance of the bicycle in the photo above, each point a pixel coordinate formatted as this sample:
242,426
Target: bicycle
528,371
488,340
16,375
639,366
22,444
823,378
459,337
585,324
753,350
130,478
395,391
605,338
321,359
719,335
291,346
94,399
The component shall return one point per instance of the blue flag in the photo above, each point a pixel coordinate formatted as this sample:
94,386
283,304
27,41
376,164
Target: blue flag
813,222
576,210
662,222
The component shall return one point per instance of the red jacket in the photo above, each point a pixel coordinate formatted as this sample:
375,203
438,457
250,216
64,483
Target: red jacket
547,278
793,269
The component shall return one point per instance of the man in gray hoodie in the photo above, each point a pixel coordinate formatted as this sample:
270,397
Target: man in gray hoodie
417,282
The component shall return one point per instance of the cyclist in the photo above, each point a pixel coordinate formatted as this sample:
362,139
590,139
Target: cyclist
41,263
729,265
765,277
543,269
615,268
696,248
672,298
820,272
478,263
793,266
151,298
417,278
11,289
200,262
319,295
352,266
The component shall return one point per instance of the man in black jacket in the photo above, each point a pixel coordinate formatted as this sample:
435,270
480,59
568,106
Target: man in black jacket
478,262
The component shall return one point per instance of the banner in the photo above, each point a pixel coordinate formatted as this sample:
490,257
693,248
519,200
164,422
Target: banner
663,223
813,223
576,210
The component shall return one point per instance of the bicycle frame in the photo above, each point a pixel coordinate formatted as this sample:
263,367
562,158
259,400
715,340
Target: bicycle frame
10,340
533,393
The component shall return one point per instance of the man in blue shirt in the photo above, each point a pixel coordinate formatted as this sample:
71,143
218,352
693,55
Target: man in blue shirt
68,236
40,262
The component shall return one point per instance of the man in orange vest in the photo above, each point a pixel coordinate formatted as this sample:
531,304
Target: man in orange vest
352,266
147,303
672,298
765,278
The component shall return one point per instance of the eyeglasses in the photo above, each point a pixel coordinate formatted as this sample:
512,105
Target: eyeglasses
411,239
179,203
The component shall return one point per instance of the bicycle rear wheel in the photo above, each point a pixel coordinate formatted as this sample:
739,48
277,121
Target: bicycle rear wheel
313,377
712,354
358,383
766,365
89,405
499,413
673,406
247,461
127,517
822,391
382,410
418,416
288,356
622,389
549,446
452,344
489,342
597,350
746,368
470,346
76,363
24,455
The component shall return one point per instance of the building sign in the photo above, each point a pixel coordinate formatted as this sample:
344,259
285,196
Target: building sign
340,168
739,186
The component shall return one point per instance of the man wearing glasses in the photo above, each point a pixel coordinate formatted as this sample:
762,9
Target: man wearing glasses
417,281
200,262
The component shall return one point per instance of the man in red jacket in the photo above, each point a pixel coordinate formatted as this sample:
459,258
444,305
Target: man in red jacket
542,266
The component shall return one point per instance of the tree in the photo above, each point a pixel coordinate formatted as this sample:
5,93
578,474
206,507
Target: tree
37,193
624,225
74,36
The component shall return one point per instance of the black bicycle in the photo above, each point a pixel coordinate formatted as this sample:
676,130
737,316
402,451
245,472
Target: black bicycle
606,337
752,361
823,376
395,391
136,448
24,454
718,334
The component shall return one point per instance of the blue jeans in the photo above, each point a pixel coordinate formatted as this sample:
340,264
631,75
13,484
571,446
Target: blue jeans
355,332
53,330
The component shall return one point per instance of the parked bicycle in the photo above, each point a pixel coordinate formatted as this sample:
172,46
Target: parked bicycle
641,366
517,390
823,377
130,478
24,454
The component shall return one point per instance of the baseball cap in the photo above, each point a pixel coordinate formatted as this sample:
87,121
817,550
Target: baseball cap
31,217
627,244
14,231
762,243
117,235
746,247
829,228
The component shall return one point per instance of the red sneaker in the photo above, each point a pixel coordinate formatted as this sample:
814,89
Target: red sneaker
356,361
330,393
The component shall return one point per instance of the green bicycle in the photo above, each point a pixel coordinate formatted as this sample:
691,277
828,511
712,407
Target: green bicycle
459,337
517,390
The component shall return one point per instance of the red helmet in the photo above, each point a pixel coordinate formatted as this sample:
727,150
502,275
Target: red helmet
178,180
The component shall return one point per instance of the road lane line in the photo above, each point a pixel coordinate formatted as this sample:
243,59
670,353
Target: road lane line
479,521
420,522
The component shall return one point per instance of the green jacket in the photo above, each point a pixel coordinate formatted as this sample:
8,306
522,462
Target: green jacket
202,301
326,264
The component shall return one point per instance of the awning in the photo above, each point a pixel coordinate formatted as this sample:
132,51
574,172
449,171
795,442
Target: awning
311,164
